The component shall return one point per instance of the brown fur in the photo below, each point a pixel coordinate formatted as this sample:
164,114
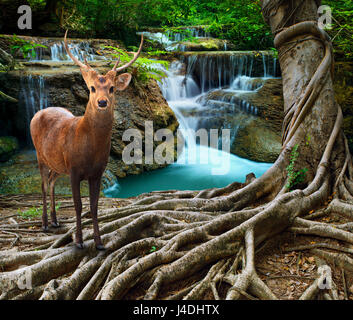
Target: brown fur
77,146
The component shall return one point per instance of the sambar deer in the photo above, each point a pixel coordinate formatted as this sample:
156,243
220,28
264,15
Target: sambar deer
79,146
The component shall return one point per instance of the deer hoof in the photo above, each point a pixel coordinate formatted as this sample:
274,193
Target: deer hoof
55,225
45,229
80,245
100,247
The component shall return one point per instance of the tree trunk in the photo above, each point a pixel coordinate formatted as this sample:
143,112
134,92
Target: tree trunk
209,237
300,57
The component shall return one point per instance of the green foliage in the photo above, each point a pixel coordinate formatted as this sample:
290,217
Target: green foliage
27,48
146,68
294,176
275,52
34,212
31,213
156,53
342,26
242,23
239,21
153,249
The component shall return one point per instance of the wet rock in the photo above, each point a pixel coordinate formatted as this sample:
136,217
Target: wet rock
257,116
206,44
268,100
8,146
6,61
255,141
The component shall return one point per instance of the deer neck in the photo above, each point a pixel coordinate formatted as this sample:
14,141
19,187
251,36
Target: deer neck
98,124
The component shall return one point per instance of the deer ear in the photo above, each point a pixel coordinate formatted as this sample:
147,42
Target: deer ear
123,81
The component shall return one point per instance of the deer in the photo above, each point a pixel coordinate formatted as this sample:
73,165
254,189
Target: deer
79,146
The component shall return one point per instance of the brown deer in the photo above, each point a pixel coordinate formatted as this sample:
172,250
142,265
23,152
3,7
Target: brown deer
79,146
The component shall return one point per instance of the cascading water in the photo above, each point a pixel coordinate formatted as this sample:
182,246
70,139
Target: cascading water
58,53
187,99
80,51
34,97
170,39
217,70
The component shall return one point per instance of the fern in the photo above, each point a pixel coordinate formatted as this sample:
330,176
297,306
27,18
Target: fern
146,68
294,177
27,48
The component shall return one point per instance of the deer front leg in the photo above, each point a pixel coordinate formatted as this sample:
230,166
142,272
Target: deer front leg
94,188
76,195
44,173
52,179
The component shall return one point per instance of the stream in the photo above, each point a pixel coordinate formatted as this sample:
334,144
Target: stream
212,167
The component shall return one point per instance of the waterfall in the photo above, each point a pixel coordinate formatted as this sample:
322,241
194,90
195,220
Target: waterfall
218,70
190,101
175,86
210,93
170,39
34,97
188,98
58,53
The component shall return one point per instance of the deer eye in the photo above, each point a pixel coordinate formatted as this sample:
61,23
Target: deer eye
93,89
111,90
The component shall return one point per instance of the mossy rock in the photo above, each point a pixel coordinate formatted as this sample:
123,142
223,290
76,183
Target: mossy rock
207,44
255,141
8,147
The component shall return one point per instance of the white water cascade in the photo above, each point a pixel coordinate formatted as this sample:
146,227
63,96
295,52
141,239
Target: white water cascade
34,97
58,52
170,40
209,167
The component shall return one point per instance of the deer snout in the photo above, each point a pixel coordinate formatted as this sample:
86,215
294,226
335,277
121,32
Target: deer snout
102,103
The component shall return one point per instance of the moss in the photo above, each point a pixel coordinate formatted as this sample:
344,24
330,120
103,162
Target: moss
8,146
208,44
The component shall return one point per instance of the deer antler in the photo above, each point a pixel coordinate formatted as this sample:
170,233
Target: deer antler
136,55
78,62
116,64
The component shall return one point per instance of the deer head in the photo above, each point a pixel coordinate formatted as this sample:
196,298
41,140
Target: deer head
102,88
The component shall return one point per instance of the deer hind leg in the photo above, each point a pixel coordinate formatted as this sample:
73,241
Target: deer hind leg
94,188
52,179
76,195
44,172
